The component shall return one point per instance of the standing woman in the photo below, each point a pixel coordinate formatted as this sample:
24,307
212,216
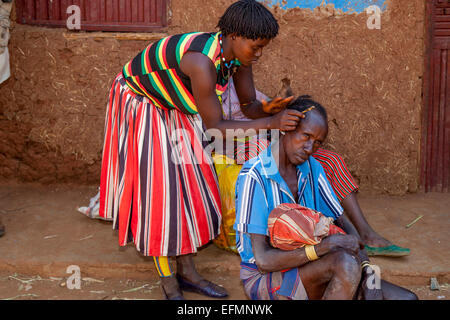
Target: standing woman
158,183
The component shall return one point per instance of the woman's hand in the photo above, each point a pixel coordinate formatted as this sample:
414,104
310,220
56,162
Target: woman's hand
276,105
286,120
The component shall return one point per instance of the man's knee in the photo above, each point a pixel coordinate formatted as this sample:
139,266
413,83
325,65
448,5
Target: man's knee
346,265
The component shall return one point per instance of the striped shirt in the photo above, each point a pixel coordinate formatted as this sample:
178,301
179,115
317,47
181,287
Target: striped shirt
156,74
260,188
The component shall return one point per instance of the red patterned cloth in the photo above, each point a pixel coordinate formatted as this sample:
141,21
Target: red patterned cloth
338,175
293,226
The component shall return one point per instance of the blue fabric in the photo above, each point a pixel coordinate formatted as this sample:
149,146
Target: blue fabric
289,284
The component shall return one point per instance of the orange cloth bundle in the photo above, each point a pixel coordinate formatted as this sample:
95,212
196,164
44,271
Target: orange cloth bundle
293,226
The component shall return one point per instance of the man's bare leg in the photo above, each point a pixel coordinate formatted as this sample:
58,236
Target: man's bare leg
335,276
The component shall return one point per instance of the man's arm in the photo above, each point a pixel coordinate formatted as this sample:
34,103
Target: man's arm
269,259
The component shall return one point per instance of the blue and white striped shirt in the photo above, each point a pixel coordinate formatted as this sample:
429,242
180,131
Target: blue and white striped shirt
260,188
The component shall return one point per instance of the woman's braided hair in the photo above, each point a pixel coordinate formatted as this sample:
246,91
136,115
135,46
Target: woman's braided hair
248,19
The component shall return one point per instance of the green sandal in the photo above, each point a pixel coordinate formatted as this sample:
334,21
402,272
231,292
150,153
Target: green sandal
388,251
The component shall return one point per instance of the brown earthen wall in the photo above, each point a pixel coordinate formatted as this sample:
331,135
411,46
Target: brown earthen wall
52,108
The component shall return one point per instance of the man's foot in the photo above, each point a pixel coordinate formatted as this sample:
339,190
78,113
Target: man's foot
2,228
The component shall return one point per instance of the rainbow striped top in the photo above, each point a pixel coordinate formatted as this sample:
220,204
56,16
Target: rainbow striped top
155,72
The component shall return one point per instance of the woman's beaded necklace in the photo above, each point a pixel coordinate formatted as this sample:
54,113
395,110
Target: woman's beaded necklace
229,65
230,70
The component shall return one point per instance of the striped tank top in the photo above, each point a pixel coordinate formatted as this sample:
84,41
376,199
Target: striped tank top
155,72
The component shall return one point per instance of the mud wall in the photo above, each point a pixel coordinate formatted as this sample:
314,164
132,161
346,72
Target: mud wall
52,108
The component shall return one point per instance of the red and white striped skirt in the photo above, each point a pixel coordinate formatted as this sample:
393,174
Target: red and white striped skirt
158,183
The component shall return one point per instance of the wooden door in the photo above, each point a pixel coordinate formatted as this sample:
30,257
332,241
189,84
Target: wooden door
435,148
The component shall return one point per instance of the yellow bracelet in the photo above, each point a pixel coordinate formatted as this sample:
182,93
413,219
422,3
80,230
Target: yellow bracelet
311,253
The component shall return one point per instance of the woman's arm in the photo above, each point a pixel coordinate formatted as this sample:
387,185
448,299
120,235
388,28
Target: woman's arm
250,107
369,292
203,78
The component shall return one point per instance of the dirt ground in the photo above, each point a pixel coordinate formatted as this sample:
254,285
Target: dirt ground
45,234
25,287
21,287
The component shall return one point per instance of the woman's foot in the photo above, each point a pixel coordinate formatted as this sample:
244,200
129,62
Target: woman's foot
375,240
190,280
204,287
376,245
368,235
170,288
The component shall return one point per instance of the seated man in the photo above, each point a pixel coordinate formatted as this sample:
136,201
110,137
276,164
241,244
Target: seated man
339,177
337,267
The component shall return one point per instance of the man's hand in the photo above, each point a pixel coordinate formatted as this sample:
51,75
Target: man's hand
340,241
276,105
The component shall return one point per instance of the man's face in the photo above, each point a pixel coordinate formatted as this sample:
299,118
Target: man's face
248,51
300,144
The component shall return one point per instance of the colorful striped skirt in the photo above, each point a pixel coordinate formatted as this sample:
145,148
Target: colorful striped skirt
158,184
